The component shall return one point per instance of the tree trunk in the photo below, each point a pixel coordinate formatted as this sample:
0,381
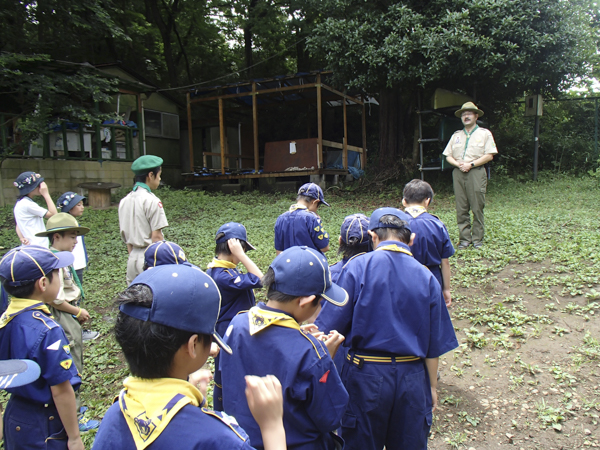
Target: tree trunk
390,130
248,36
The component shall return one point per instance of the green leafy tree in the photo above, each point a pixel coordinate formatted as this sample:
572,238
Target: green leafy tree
491,49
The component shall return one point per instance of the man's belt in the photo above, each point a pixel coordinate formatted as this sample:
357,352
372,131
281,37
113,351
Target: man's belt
358,359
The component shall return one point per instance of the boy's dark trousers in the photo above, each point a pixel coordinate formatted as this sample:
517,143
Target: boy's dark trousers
390,405
30,425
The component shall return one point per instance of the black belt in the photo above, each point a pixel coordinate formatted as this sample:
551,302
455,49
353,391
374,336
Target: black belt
358,359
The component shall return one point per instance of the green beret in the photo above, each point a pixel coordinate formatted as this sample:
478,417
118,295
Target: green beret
145,164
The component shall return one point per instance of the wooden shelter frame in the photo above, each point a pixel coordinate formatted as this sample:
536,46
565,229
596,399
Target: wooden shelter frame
257,89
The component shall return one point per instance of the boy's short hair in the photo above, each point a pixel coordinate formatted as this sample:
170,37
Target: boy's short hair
398,230
417,191
172,303
22,266
302,272
149,348
141,178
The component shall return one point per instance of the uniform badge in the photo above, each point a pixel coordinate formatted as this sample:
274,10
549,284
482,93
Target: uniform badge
66,364
237,280
67,349
320,237
326,235
144,426
160,204
181,255
317,228
457,140
323,379
54,346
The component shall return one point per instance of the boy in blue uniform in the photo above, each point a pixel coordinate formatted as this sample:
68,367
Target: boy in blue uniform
268,340
399,326
431,246
354,241
165,326
44,409
301,225
237,288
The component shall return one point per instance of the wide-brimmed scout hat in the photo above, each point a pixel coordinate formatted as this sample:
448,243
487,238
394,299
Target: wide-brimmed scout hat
68,200
145,164
233,230
302,272
27,182
27,263
164,252
62,222
183,297
18,372
469,106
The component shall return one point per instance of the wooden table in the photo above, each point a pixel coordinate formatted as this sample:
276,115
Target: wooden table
99,193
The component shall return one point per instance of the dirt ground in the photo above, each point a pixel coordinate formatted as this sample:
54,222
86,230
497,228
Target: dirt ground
529,376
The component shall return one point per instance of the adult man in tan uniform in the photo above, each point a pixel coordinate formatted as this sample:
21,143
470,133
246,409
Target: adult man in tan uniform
469,149
141,213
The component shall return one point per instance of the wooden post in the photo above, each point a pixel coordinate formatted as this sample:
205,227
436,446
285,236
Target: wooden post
345,143
255,127
363,155
140,125
81,142
319,125
64,136
190,133
222,135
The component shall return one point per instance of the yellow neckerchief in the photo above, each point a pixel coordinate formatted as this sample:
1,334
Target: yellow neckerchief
296,206
261,318
21,305
221,263
149,405
415,211
394,248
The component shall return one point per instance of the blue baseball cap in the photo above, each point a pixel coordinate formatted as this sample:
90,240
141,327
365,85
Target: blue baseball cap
27,182
233,230
374,222
18,372
184,298
66,201
28,263
302,271
314,191
355,226
164,252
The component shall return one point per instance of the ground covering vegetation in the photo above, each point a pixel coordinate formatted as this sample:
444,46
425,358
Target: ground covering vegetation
525,308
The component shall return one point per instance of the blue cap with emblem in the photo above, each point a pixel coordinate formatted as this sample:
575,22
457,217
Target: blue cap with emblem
233,230
25,264
18,372
314,191
355,226
164,252
303,271
66,201
375,221
184,298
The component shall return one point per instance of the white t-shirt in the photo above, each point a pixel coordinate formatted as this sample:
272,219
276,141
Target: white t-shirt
30,219
79,254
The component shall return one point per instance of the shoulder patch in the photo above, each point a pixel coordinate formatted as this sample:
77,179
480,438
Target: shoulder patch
160,204
55,346
66,364
229,421
67,349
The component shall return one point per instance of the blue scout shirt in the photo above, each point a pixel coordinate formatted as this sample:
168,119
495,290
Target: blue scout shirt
269,341
27,331
191,427
237,293
408,318
432,242
336,269
299,226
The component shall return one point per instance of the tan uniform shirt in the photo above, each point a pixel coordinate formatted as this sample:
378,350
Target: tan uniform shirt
469,147
141,213
69,291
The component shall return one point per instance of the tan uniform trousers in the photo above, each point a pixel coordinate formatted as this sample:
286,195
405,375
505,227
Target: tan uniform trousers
135,263
72,329
469,192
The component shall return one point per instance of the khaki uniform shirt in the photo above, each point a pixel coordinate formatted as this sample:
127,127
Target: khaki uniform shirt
69,291
469,147
141,213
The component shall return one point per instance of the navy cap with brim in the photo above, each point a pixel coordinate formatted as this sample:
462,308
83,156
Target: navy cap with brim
184,298
18,372
27,182
374,221
233,230
27,263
